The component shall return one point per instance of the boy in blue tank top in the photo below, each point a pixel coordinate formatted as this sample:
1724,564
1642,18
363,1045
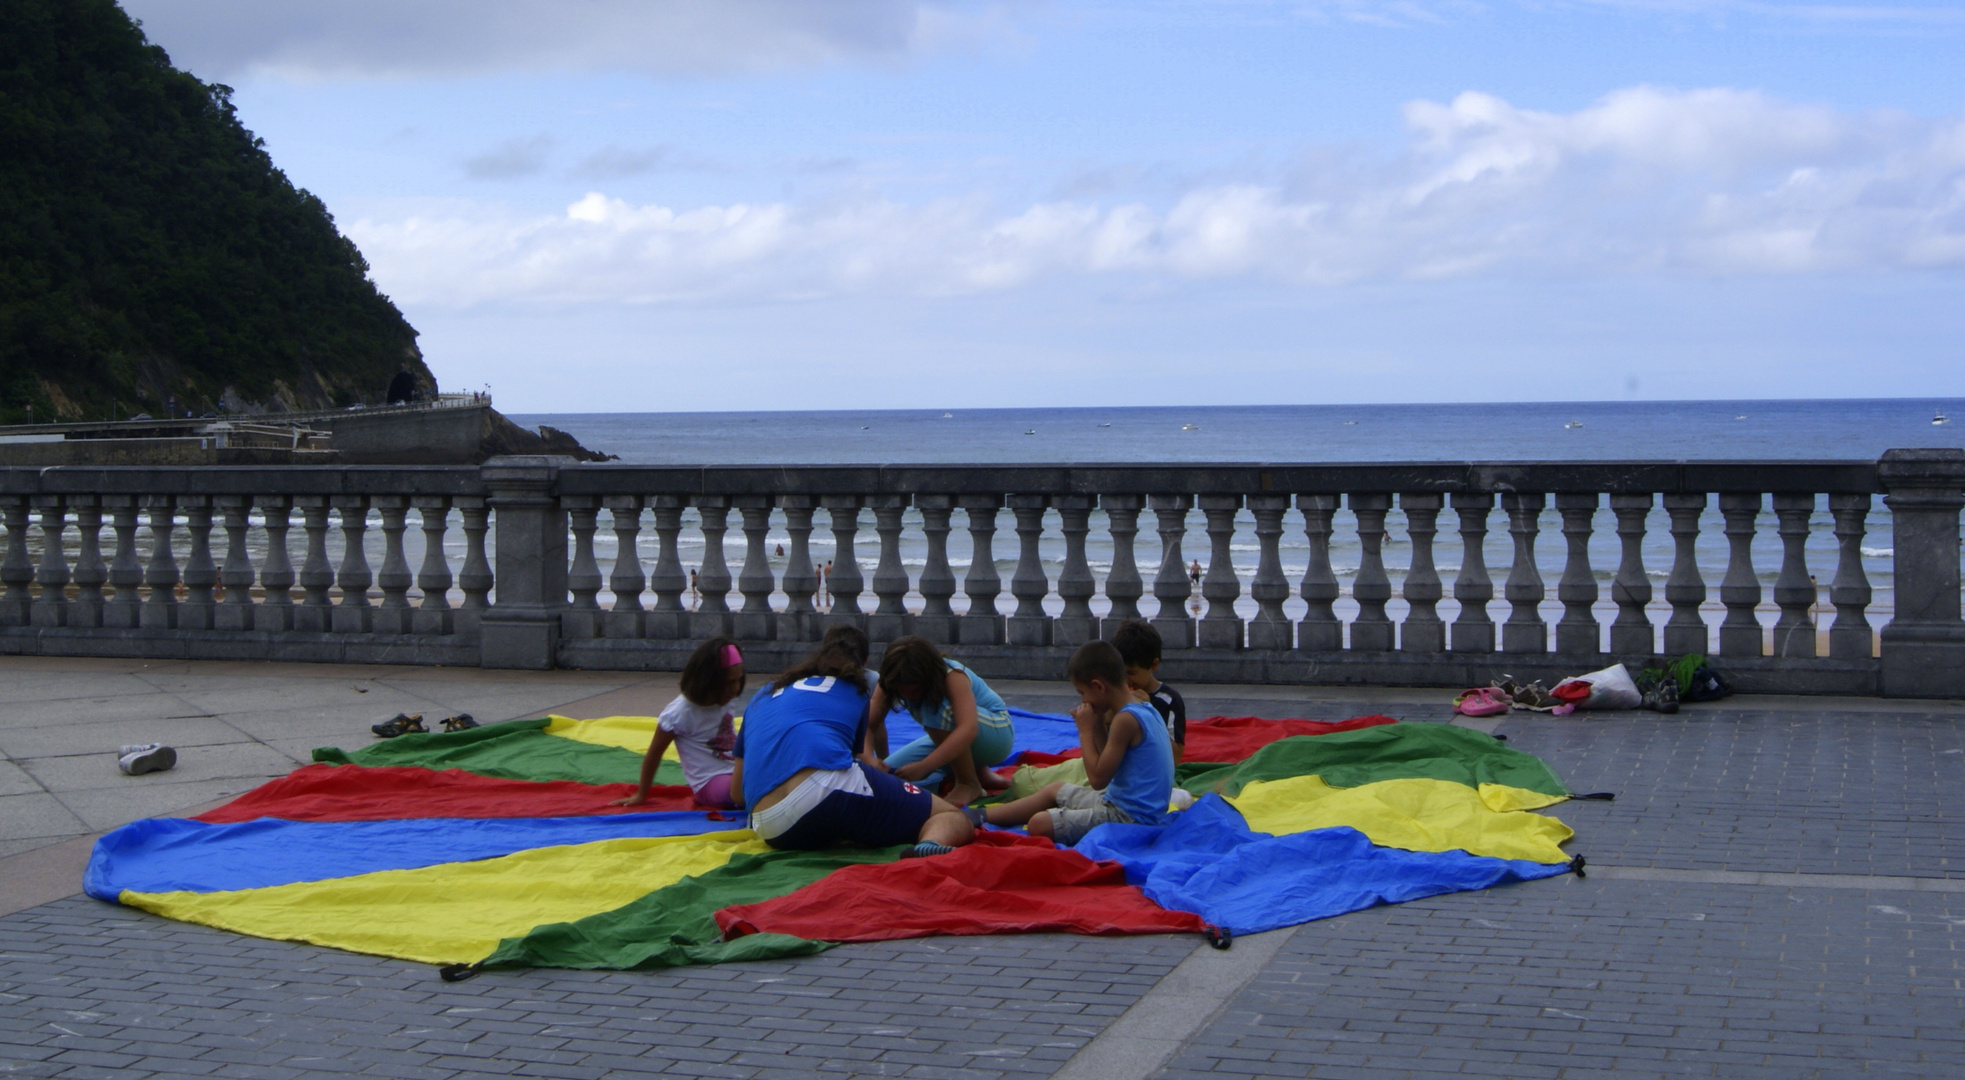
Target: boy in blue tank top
1129,761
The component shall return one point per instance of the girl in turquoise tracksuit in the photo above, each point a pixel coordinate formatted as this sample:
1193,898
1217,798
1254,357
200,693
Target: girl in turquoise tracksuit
967,725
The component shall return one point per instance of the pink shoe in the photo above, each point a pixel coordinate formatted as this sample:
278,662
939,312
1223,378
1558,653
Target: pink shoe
1483,701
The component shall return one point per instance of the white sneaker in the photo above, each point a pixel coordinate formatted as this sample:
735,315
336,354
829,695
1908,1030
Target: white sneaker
154,757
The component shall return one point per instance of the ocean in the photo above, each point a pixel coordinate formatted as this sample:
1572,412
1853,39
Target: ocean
1301,433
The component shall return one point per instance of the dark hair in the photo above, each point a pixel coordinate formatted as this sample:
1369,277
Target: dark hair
1097,660
1138,643
852,638
834,657
702,675
914,661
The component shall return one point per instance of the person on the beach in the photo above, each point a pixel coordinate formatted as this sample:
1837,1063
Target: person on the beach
797,775
825,580
692,588
967,726
1129,764
699,724
1139,646
1194,573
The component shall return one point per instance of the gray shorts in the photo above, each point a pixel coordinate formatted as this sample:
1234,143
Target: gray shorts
1080,810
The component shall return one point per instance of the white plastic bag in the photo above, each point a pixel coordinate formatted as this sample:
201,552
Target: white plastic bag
1611,688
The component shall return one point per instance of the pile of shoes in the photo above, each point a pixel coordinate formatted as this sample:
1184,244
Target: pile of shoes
407,724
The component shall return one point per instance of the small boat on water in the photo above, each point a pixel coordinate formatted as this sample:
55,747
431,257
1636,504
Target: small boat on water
1105,424
948,416
1190,427
1030,431
1574,424
1742,416
1350,423
1940,419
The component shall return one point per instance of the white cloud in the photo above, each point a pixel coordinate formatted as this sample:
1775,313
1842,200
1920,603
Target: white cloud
316,38
1712,182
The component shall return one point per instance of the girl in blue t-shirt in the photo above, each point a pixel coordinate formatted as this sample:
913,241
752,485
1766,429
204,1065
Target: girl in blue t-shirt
967,726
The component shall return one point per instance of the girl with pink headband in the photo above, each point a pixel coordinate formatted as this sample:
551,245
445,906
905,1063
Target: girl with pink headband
700,725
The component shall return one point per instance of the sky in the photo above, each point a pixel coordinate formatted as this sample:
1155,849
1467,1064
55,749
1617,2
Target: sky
708,205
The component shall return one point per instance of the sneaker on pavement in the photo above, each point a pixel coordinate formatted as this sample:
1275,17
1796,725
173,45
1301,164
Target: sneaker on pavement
154,757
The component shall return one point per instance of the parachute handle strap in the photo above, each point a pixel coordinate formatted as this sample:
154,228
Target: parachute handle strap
460,972
1219,936
1576,866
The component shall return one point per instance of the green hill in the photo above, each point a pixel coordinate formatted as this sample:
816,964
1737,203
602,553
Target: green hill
150,250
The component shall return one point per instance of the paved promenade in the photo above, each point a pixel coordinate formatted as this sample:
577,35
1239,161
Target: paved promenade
1778,890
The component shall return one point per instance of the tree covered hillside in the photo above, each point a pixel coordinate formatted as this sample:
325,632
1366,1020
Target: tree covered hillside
150,250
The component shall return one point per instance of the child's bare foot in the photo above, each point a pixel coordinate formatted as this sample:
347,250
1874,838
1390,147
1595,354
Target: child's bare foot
962,794
993,781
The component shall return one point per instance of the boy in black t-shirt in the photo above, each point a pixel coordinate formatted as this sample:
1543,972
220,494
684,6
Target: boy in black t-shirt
1139,646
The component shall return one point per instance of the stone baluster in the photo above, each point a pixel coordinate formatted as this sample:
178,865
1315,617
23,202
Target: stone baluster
160,609
1171,585
1524,632
982,625
433,614
755,621
1270,629
1631,634
1423,630
1850,636
521,629
1029,624
1794,590
800,619
581,619
1372,630
1740,634
198,611
1320,630
1076,625
474,578
235,613
1123,586
1685,589
274,612
1220,628
845,583
51,609
1473,588
315,613
1923,646
890,617
123,611
1578,633
626,581
937,619
17,606
353,614
712,614
90,571
394,579
668,620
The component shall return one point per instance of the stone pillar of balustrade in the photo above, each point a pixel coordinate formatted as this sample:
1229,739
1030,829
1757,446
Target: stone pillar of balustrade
394,616
1850,636
581,619
1685,588
51,608
668,620
160,574
712,614
235,612
315,613
755,621
91,572
1525,631
1631,634
1123,585
846,582
1220,627
800,619
623,619
199,609
889,619
1270,629
981,625
1372,630
1794,590
474,578
1029,624
1320,631
1578,633
274,612
1923,644
937,585
1473,587
1423,631
123,609
521,630
433,616
1076,624
1171,585
1741,633
17,572
353,577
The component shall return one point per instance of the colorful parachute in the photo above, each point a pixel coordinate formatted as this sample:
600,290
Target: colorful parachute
497,846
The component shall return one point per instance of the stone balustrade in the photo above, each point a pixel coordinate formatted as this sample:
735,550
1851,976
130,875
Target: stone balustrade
537,595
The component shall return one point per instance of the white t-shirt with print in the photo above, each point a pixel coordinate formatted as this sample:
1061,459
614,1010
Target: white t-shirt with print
704,737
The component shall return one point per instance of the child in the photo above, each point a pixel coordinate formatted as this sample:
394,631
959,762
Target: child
699,723
1128,761
1139,645
967,725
